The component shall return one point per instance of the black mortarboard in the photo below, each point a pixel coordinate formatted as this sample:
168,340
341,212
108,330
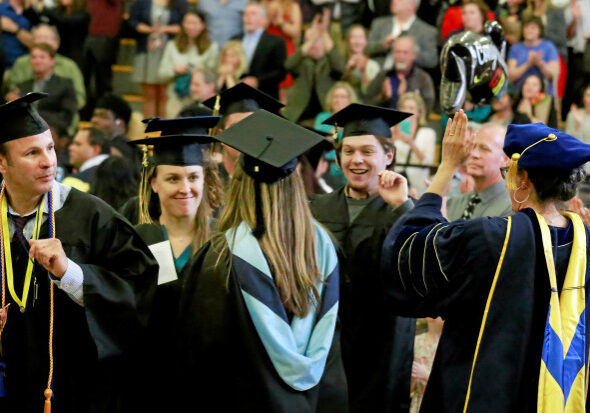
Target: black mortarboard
178,141
358,119
270,146
19,119
242,99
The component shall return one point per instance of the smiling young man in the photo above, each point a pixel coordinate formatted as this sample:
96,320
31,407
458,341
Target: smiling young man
102,277
377,347
489,197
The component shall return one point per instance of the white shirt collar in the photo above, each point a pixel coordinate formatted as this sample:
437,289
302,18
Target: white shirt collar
97,160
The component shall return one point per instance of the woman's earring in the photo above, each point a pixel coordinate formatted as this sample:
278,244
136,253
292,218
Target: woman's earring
524,200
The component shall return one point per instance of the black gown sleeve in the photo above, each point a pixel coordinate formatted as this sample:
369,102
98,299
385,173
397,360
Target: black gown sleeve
120,276
431,267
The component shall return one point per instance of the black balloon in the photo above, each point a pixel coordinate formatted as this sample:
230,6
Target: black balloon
473,68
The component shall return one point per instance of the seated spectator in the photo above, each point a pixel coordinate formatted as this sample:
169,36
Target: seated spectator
535,103
534,55
265,53
503,113
345,14
389,85
71,18
89,149
578,119
285,21
190,48
414,142
16,30
316,66
203,84
232,65
155,23
470,15
64,66
61,105
425,346
360,70
385,30
115,181
224,18
510,16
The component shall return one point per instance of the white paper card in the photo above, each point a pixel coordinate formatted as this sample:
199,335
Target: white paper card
163,254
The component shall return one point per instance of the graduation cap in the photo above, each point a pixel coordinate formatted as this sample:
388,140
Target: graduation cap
177,142
270,146
536,145
242,99
315,153
358,119
19,119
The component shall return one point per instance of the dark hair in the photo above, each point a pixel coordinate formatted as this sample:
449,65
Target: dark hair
115,104
386,143
203,41
98,137
116,181
533,19
46,48
556,183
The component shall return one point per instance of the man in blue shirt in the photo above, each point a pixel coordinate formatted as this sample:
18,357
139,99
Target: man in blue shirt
16,36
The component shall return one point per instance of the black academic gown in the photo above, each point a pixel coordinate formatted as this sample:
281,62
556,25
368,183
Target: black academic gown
222,363
90,342
377,346
447,271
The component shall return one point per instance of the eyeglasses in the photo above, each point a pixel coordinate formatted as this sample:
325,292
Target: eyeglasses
504,171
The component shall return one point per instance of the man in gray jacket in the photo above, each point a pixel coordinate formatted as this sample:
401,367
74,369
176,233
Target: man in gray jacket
404,21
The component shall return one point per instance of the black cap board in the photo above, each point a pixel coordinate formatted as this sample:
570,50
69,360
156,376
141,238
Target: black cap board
358,119
315,153
270,144
180,141
19,119
243,99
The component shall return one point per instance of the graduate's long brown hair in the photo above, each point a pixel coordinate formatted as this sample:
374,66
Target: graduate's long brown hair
289,241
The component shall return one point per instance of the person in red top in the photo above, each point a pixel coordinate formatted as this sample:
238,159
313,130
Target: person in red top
100,49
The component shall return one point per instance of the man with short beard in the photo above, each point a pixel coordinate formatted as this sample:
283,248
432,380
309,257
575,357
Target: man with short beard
389,86
377,347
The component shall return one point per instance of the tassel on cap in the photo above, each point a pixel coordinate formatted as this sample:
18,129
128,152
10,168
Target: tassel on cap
48,393
335,133
513,168
260,227
144,213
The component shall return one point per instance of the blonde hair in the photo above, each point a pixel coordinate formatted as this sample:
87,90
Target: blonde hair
236,47
289,241
212,198
418,101
340,85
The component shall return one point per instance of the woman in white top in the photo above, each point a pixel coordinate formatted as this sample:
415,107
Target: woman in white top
191,48
414,142
360,70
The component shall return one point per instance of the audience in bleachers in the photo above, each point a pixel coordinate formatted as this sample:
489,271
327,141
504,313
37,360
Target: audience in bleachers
535,103
578,119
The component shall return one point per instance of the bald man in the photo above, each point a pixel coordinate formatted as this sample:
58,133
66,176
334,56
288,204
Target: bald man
489,197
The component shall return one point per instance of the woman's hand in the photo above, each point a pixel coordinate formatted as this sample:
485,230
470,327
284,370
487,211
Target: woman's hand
577,206
180,69
420,372
455,149
393,188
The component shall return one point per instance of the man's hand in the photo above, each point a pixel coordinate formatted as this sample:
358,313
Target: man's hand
50,254
420,372
393,188
388,42
454,149
386,89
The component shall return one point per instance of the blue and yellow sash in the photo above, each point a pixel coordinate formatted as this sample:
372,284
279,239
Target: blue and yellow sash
562,379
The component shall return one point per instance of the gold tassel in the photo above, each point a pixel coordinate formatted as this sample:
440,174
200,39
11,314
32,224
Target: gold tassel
335,133
47,408
144,213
